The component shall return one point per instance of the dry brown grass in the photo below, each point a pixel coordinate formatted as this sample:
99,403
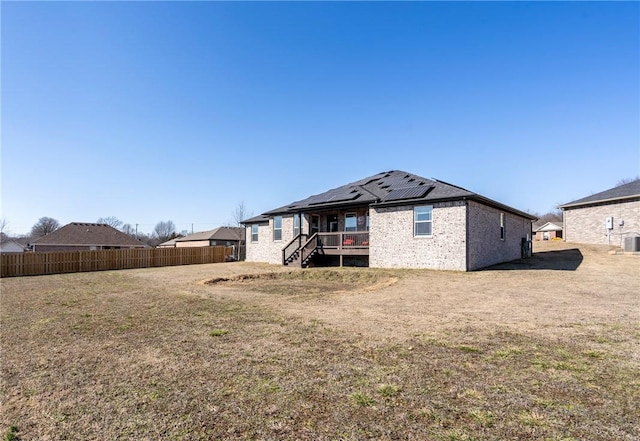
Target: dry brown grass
545,349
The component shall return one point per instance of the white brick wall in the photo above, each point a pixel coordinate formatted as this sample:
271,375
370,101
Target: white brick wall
266,249
587,225
393,244
485,247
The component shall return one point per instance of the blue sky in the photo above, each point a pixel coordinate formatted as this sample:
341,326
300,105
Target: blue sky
151,111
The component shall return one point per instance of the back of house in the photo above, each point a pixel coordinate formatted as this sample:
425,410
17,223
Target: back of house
393,219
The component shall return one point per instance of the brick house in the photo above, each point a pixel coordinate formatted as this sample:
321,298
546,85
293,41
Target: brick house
81,236
221,236
548,231
604,218
391,220
225,236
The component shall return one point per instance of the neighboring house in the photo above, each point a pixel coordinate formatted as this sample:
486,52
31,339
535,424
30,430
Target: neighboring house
391,220
221,236
225,236
548,231
79,236
168,244
604,218
8,245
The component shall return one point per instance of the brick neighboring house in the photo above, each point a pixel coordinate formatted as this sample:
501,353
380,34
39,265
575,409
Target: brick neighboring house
221,236
604,218
80,236
224,236
548,231
391,220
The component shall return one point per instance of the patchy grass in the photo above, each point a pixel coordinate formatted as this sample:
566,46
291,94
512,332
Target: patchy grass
152,354
218,332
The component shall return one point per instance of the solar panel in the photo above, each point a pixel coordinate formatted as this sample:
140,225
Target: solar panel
337,195
407,193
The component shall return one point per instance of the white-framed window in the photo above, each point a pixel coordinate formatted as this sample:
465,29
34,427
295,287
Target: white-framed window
350,222
277,228
422,221
296,225
254,233
502,226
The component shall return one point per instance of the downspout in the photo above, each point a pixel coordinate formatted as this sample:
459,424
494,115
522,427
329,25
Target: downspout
466,233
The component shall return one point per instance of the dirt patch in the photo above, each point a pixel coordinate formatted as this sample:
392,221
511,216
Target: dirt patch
308,282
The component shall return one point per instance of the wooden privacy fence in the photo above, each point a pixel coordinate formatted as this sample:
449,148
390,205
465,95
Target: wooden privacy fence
33,264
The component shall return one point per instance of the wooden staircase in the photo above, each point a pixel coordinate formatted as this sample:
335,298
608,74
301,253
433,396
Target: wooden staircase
295,259
299,252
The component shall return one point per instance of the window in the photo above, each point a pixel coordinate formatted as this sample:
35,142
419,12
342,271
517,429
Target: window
422,220
296,225
254,233
350,222
277,228
367,221
501,226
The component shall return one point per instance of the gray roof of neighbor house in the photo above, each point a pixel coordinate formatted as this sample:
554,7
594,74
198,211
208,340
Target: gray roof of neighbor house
629,190
88,234
391,188
220,233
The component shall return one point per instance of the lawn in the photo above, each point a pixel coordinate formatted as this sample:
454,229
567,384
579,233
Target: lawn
542,349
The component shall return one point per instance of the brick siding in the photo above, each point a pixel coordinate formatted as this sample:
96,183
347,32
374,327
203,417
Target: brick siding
485,245
393,244
588,224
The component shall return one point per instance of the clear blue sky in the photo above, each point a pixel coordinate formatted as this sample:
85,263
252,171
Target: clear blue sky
153,111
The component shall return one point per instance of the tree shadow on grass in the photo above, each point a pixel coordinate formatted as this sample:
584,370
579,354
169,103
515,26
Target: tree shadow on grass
562,260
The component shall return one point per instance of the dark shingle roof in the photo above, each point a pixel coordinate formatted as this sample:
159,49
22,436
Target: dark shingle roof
79,233
395,187
220,233
621,192
260,219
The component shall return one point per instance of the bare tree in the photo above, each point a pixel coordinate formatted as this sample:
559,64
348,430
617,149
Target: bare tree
128,229
551,216
111,220
3,226
45,225
240,213
164,231
626,181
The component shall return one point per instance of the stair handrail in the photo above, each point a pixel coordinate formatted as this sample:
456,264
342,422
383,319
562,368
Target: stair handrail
292,247
308,247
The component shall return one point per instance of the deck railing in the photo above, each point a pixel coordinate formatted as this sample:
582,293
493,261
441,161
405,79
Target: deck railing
308,248
290,249
344,239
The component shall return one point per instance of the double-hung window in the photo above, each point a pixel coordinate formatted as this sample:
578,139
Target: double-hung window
501,226
254,233
422,222
277,228
350,222
296,225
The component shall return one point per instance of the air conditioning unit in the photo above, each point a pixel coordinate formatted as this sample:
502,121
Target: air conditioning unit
632,244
